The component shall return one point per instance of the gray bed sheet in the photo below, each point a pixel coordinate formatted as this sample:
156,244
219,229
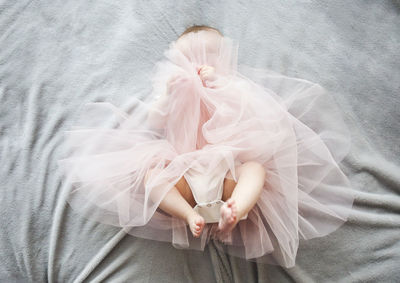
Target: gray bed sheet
57,55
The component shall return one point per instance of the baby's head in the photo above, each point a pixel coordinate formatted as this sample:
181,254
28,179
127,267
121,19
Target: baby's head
211,38
204,45
196,28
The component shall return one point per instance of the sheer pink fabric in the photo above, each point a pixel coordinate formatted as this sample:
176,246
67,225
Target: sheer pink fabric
290,126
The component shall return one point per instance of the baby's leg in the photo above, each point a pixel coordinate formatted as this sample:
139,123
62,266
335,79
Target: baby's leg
176,203
242,198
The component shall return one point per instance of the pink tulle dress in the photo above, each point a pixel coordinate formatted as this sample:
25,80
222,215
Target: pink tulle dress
186,127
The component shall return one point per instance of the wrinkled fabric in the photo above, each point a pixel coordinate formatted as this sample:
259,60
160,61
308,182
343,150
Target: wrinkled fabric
290,126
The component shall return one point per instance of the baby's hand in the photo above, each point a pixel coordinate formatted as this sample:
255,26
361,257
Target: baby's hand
206,73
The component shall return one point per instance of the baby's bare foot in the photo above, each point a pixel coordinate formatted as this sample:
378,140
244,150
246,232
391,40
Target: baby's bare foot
228,218
196,223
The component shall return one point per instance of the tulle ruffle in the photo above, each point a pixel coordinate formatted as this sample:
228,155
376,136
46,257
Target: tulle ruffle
290,126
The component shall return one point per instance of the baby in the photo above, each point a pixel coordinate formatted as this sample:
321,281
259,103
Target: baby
210,145
241,196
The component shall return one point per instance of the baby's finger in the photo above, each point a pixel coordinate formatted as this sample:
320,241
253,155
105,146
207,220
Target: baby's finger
203,73
199,69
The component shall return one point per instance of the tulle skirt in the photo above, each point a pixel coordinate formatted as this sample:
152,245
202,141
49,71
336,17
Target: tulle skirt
290,126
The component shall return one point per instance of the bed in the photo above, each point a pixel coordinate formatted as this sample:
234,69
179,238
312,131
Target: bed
57,55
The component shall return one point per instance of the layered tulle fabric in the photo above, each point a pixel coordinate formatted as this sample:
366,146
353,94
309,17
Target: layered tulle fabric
290,126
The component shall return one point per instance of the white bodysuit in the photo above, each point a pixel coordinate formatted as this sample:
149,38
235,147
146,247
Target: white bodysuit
207,191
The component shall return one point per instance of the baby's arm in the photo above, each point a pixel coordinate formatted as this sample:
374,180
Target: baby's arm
158,112
156,117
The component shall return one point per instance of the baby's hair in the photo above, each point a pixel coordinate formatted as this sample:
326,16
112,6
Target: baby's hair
197,28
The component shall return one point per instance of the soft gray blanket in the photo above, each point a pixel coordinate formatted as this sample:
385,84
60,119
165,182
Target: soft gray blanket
57,55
